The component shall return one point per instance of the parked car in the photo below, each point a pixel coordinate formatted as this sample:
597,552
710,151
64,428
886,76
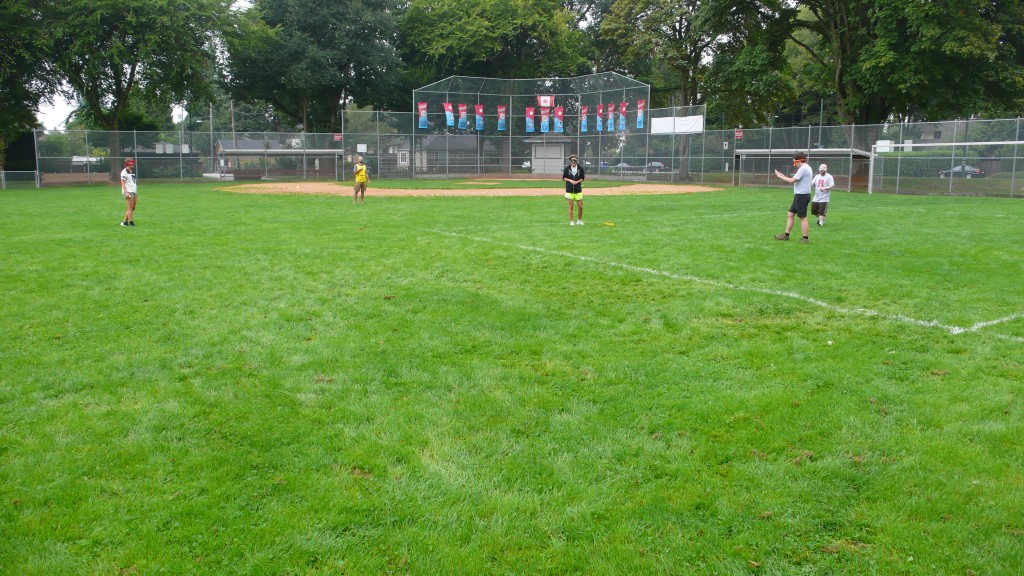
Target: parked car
655,167
527,165
963,171
604,165
621,167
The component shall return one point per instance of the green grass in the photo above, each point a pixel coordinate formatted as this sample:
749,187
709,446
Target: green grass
250,384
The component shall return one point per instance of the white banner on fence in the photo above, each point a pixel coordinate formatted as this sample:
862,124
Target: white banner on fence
677,125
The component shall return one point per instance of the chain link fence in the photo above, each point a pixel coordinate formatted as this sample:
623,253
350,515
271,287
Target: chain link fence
395,146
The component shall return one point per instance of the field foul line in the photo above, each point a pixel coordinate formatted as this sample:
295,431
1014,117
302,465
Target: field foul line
720,284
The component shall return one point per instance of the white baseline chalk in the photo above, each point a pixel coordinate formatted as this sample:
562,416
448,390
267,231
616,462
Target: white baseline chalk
721,284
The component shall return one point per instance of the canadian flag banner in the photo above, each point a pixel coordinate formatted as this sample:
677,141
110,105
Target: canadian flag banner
449,116
545,119
559,119
583,118
422,108
545,101
463,116
622,115
479,109
501,118
600,117
529,119
640,105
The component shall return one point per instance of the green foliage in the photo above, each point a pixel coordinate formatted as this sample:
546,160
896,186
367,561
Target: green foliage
24,70
727,55
309,59
493,38
925,60
113,52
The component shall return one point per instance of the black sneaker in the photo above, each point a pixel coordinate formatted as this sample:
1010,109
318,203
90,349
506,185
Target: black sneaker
131,222
125,223
820,224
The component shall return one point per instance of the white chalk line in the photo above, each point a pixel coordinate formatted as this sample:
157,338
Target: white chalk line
785,294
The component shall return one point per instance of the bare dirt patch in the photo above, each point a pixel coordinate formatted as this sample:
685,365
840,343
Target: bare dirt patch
338,189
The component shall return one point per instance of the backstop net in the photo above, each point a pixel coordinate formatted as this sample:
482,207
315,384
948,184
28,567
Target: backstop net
528,127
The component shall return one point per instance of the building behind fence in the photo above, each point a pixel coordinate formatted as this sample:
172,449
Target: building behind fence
395,147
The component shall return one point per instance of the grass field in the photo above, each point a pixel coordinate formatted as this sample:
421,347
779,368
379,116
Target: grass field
255,384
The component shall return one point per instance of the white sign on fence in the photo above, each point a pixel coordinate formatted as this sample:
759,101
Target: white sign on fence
677,125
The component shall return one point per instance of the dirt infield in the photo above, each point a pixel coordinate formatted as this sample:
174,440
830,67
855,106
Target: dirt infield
338,189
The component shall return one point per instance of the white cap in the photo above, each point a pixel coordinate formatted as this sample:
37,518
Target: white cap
823,167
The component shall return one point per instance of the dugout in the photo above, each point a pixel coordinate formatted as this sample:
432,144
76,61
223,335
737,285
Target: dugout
268,159
756,166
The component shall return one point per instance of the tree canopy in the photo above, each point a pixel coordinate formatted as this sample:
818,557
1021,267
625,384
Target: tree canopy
917,59
494,38
24,75
301,63
110,53
309,59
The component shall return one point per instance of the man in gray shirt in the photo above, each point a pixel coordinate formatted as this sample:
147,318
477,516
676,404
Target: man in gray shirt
801,182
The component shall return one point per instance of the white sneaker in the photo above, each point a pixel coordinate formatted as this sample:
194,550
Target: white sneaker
579,222
571,223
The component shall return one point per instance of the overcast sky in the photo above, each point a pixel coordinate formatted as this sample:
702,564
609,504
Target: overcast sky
53,116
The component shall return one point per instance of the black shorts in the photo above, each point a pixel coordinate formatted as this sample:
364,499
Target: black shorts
799,206
819,208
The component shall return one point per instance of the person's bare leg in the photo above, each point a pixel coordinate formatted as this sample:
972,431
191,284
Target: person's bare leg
579,210
570,212
789,223
804,226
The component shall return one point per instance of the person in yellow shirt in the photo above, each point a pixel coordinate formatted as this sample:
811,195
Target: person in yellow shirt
362,177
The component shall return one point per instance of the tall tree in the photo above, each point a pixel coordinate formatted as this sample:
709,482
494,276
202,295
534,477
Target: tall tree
496,38
24,70
918,59
309,59
111,53
726,54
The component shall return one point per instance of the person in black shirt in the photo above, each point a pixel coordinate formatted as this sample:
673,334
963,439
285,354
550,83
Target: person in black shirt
573,177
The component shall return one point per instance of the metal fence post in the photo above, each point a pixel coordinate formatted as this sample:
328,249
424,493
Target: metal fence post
35,145
181,151
1013,171
853,138
899,159
871,170
88,159
952,159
